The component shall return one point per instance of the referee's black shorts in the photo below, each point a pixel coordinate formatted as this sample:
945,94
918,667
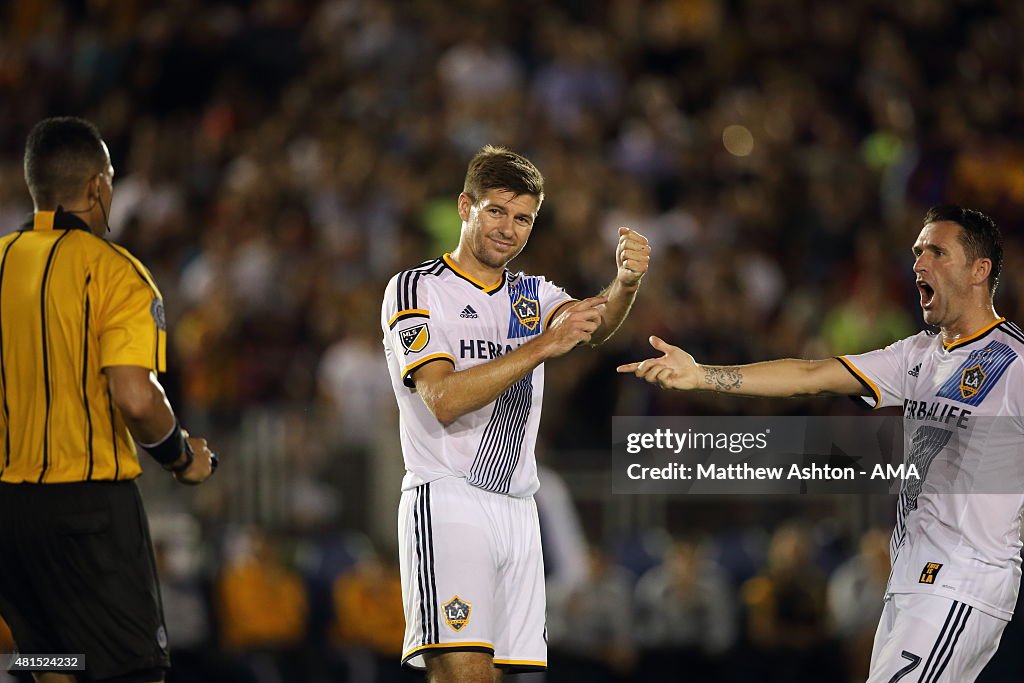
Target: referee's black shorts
77,576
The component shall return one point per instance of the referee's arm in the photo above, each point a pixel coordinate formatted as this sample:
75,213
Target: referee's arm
146,411
142,402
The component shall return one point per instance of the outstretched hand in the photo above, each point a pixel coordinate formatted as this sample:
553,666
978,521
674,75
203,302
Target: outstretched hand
674,369
632,257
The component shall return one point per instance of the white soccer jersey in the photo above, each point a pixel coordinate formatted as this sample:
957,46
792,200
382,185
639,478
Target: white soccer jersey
435,313
958,527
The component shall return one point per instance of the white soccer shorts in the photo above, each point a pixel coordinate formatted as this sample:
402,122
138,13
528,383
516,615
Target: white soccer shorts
926,638
472,575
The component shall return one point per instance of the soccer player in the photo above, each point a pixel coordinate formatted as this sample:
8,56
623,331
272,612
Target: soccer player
955,558
81,335
465,341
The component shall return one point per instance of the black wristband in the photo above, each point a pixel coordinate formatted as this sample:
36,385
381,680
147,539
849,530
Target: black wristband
168,451
189,457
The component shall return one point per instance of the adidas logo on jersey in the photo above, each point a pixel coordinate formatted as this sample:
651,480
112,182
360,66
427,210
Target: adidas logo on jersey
915,371
468,312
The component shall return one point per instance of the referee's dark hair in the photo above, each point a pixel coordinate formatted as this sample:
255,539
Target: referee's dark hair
980,236
61,154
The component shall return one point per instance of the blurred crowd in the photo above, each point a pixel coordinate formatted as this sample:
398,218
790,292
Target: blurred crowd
278,160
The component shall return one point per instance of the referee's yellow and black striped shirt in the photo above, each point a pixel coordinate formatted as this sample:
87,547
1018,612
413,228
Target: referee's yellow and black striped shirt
71,303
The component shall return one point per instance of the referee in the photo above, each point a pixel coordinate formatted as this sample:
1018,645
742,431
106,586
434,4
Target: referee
82,334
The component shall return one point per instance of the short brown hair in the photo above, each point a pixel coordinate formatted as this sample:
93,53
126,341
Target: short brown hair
980,237
499,168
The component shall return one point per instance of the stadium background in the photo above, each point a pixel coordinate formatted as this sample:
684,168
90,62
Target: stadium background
277,161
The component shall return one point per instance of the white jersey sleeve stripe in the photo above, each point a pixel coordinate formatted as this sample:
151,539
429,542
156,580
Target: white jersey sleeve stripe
409,313
413,367
411,283
404,298
556,309
1012,330
408,282
868,384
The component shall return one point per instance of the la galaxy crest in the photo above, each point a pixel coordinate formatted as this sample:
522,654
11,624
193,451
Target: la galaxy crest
415,338
971,381
527,311
975,378
524,307
456,613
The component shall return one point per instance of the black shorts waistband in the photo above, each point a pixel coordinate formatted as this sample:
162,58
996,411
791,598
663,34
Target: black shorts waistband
46,501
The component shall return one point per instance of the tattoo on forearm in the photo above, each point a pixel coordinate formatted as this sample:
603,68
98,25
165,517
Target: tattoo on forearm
724,378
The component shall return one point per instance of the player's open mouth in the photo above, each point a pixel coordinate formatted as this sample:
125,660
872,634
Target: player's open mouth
927,293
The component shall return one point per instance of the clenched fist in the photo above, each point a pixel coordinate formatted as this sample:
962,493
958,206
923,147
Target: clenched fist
632,257
203,465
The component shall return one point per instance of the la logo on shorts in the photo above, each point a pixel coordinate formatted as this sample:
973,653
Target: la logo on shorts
414,338
456,613
930,571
